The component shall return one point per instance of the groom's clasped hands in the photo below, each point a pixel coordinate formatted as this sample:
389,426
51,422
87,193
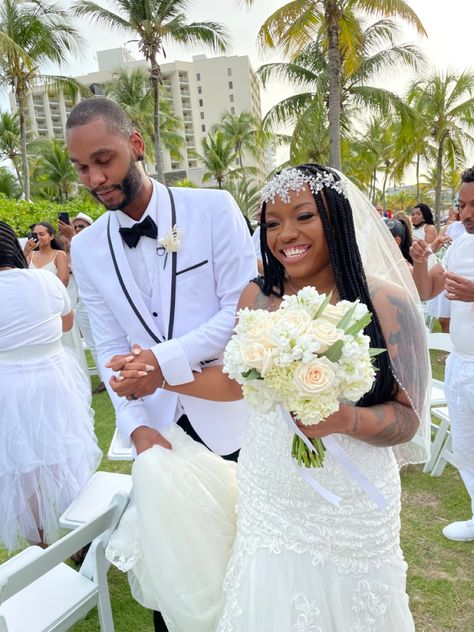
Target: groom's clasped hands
139,373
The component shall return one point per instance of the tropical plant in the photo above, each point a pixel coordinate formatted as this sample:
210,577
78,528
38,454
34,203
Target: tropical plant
132,91
309,73
247,195
10,146
32,35
9,185
445,102
337,28
243,131
218,157
54,176
156,23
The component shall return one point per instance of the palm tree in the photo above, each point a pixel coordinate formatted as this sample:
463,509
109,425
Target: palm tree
243,131
132,91
218,156
308,72
10,145
247,195
445,102
54,171
156,22
32,35
334,23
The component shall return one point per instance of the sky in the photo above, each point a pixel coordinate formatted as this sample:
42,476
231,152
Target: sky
448,45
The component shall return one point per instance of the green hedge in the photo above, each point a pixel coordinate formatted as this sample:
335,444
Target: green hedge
20,214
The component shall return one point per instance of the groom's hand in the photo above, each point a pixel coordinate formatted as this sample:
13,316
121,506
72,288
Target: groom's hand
138,377
144,438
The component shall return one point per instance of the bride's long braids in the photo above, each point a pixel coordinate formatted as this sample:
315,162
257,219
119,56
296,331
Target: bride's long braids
348,271
11,254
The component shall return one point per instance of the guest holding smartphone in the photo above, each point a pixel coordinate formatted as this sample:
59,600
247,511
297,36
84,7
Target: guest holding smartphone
49,254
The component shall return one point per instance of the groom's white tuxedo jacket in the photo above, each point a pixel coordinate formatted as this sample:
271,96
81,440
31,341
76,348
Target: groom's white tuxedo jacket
189,315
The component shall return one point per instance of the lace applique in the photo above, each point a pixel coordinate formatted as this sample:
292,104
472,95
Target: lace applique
308,612
370,604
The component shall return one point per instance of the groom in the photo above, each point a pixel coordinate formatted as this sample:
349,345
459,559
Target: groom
163,269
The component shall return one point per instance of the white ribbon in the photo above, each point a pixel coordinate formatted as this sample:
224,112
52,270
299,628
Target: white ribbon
341,456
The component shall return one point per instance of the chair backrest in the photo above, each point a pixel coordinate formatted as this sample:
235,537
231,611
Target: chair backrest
439,341
15,577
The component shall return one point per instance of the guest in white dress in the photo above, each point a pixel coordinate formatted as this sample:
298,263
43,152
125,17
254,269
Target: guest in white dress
48,450
51,256
296,562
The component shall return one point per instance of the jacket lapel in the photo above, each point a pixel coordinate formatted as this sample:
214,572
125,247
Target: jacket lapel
166,262
125,278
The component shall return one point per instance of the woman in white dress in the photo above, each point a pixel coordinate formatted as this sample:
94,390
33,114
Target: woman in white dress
297,562
48,450
51,256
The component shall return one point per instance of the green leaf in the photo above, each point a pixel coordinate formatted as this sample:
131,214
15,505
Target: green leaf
252,374
373,351
346,319
335,351
359,325
323,305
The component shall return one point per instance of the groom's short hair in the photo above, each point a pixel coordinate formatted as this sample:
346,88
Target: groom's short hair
116,119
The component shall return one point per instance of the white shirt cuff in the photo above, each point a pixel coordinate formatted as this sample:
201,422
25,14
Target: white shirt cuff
173,362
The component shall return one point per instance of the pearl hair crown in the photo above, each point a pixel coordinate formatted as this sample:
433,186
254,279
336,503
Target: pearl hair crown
295,180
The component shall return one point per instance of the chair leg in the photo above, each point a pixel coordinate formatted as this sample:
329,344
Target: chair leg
444,458
437,445
104,607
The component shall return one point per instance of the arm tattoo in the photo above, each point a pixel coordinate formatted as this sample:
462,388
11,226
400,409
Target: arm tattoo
355,427
269,303
400,430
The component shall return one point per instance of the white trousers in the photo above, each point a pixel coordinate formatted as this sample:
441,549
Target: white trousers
459,389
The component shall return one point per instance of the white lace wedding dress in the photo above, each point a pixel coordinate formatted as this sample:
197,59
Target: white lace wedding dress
296,563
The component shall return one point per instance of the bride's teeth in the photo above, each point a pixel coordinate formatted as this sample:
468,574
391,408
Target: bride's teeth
294,252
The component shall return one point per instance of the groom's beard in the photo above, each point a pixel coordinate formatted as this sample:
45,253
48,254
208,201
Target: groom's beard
130,187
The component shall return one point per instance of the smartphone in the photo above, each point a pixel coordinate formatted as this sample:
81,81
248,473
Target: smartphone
33,236
64,217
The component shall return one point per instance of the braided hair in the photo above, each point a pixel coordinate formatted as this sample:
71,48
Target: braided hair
11,254
338,224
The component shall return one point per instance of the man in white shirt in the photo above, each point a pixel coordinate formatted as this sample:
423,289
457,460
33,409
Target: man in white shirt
163,269
458,281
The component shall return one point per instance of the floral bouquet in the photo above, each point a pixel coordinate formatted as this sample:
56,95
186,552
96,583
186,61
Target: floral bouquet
307,356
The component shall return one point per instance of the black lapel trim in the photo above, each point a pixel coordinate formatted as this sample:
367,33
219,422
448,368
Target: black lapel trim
174,264
196,265
124,289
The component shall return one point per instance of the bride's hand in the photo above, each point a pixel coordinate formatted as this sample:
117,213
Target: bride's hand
337,423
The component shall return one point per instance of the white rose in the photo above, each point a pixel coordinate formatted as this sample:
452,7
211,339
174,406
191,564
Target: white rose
294,323
262,333
335,313
314,378
325,332
256,355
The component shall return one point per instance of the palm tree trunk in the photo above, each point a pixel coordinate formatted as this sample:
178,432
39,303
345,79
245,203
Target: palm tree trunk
418,157
155,81
20,98
334,101
439,175
384,186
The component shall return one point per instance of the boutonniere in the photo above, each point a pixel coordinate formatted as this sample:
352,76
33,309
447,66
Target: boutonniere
171,242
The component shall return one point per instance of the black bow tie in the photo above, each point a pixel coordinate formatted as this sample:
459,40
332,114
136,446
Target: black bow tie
147,228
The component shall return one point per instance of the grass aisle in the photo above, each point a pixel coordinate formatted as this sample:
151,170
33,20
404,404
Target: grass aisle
439,571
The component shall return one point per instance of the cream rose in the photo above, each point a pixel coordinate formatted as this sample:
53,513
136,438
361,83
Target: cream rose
325,332
294,322
256,355
314,378
334,313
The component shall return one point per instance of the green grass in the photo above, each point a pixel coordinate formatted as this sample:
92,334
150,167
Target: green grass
439,571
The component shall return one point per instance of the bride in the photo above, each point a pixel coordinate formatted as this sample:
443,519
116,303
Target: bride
273,555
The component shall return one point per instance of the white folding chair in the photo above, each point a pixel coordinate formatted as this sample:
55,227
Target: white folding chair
445,456
93,370
120,449
439,433
40,593
95,497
